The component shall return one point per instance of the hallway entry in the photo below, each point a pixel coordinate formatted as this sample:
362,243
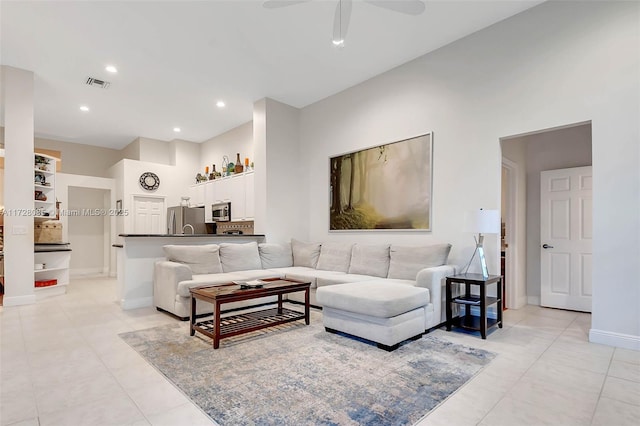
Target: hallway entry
527,156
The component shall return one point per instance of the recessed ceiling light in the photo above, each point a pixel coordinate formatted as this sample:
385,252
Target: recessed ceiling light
84,108
177,129
111,69
220,104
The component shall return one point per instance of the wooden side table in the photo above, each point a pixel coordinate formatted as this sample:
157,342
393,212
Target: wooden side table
470,322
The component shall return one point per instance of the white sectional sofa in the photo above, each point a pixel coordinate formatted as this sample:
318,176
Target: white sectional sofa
322,264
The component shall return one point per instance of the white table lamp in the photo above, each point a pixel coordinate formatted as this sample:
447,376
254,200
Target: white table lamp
482,222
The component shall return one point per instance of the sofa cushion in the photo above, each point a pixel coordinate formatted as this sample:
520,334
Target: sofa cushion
373,298
405,262
302,273
342,279
275,255
305,254
201,259
370,260
239,257
334,257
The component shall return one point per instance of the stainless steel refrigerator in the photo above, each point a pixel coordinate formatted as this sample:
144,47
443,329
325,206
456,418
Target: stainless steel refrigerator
180,216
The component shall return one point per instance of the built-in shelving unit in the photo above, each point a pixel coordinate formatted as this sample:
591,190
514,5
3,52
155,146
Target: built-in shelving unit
56,259
44,186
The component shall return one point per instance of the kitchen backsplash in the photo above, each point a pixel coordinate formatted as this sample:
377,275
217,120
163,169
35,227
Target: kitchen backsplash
245,226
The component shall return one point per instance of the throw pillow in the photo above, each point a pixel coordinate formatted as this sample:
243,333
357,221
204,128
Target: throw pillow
240,256
275,255
334,257
405,262
305,254
370,260
204,259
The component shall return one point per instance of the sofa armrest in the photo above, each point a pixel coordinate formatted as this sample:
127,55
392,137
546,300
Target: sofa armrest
433,279
166,277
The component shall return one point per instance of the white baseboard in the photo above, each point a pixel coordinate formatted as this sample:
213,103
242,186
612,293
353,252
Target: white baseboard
619,340
18,300
533,300
86,272
521,302
142,302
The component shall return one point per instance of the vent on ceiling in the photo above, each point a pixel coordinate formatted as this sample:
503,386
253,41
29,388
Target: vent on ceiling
97,82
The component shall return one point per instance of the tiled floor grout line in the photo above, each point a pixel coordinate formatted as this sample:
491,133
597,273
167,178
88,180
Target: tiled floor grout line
524,372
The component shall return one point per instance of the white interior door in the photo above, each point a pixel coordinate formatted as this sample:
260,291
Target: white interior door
149,215
566,238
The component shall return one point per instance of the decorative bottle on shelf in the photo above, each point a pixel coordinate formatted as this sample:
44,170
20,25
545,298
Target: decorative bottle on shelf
239,166
212,175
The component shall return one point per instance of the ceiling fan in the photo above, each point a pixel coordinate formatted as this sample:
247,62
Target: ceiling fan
343,12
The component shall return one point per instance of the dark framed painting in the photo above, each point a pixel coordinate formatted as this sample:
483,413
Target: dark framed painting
386,187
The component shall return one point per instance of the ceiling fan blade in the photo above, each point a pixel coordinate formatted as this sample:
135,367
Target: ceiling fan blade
410,7
275,4
341,21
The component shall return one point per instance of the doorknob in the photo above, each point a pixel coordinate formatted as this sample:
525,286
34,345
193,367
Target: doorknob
546,246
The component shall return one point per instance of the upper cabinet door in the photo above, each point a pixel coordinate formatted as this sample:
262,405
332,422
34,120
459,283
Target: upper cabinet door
237,197
250,202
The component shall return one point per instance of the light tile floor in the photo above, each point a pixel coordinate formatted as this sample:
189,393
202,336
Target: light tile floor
62,363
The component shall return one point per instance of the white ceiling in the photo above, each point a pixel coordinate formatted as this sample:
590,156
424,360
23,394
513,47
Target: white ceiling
177,58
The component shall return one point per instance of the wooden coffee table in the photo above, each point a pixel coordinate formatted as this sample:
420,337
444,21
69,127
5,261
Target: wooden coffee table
219,328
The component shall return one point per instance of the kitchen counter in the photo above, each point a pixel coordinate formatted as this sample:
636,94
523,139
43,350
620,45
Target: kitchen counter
50,247
139,252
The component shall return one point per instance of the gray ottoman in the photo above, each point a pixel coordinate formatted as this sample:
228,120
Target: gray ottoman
385,313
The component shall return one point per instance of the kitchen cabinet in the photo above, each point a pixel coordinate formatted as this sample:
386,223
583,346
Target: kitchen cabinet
236,189
250,201
237,197
196,194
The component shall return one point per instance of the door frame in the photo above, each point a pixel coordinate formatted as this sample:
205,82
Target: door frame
63,182
511,219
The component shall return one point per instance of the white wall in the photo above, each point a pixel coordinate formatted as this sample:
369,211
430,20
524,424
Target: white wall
155,151
556,64
86,232
238,140
80,159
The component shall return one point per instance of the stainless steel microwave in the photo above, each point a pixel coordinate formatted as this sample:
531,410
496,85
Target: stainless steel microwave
221,212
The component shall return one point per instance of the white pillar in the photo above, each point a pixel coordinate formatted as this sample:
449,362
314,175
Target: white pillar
280,200
17,98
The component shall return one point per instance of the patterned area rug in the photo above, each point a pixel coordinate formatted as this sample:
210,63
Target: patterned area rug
301,375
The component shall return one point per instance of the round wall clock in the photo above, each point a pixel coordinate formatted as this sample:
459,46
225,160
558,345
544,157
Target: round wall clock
149,181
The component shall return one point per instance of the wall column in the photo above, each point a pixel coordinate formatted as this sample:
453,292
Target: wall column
279,178
17,98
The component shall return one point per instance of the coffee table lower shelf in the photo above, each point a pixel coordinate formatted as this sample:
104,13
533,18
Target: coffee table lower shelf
248,322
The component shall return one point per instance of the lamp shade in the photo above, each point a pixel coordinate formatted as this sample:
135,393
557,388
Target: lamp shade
483,221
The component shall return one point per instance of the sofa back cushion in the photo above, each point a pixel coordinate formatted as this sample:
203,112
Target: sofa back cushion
334,257
202,259
370,260
405,262
275,255
305,254
240,256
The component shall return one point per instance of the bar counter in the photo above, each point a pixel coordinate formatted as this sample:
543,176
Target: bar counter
137,253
